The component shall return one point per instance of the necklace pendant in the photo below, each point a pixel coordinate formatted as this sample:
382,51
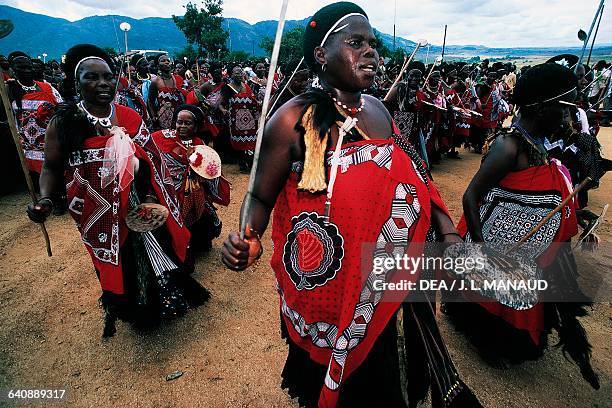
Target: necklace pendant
105,123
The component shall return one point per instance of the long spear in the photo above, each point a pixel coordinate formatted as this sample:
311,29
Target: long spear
586,40
13,127
264,113
436,62
595,35
444,42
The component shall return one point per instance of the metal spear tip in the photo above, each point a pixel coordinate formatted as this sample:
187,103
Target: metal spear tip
582,35
6,27
125,26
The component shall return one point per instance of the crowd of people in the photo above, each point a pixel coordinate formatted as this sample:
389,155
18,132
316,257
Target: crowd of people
107,138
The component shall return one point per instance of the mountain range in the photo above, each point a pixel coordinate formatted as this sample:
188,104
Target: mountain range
36,34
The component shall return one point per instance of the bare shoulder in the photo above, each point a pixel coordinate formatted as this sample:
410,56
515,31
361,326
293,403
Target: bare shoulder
503,152
285,118
506,142
377,104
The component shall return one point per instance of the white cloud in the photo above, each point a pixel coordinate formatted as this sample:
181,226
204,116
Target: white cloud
516,23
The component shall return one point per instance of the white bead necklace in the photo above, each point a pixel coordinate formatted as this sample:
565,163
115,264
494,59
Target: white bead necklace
27,88
352,111
104,122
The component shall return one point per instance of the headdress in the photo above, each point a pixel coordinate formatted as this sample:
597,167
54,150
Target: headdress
325,22
545,83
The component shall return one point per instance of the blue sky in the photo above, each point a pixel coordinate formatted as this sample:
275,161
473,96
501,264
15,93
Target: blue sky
494,23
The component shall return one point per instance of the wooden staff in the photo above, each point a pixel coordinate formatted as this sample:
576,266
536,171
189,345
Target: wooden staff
262,117
404,67
550,215
436,62
13,127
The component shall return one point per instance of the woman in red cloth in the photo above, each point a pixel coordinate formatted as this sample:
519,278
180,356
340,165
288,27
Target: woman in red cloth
487,104
343,334
106,157
129,94
206,97
240,105
514,189
408,111
165,94
197,194
432,103
33,103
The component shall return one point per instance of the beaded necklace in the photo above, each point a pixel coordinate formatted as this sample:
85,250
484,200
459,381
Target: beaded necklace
27,88
104,122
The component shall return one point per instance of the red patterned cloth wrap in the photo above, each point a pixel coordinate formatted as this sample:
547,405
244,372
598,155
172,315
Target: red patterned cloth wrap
190,193
168,99
100,213
329,309
463,123
214,98
193,191
490,110
244,119
208,125
131,96
509,211
432,118
462,118
179,80
32,120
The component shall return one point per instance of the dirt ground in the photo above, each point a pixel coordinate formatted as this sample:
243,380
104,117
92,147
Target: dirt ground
230,350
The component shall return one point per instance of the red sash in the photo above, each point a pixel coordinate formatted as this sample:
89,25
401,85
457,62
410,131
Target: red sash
328,310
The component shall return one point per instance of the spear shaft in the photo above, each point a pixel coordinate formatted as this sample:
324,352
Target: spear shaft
262,118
